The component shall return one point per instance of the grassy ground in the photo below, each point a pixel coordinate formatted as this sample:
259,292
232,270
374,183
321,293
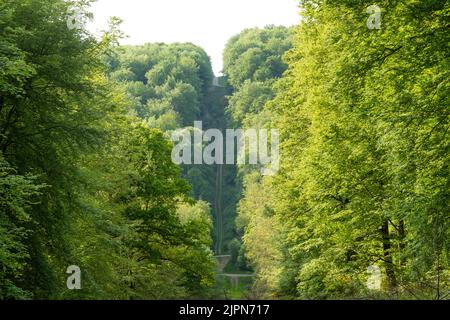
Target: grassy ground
226,290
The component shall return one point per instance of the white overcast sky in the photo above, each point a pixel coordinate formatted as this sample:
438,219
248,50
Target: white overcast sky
207,23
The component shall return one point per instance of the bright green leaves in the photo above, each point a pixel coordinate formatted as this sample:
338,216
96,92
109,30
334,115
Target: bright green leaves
17,194
253,60
355,108
174,76
112,194
256,55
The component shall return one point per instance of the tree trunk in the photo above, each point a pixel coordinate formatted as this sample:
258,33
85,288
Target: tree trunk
389,265
402,235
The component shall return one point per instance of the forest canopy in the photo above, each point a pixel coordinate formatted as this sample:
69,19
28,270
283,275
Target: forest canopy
87,177
84,180
364,183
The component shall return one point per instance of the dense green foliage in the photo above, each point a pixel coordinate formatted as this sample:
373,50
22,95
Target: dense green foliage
83,181
171,86
87,179
168,82
255,55
364,119
253,62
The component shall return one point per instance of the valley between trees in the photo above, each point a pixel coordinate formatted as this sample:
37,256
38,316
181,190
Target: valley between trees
87,177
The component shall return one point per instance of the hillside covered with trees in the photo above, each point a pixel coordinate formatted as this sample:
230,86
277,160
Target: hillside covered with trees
364,121
87,176
84,180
